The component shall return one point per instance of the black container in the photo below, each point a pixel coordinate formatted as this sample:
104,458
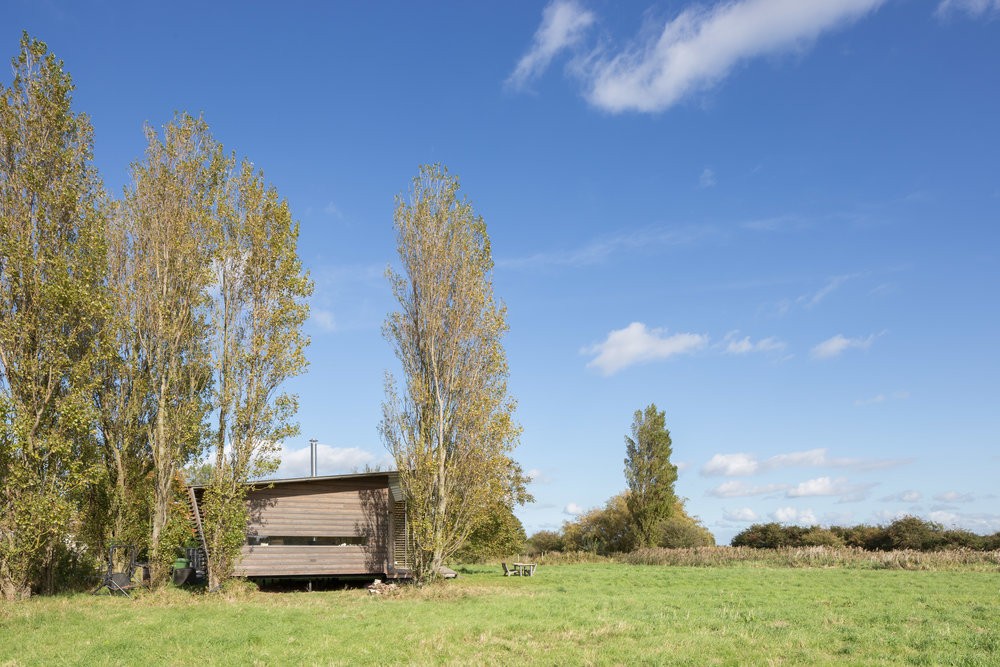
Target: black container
182,574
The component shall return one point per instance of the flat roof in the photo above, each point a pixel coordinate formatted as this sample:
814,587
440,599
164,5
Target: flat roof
317,478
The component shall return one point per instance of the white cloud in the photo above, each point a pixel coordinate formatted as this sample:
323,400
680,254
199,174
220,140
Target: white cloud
794,516
833,347
981,523
827,486
885,516
329,460
746,346
731,465
955,497
908,496
707,178
821,486
743,514
971,7
736,489
741,464
573,509
699,47
564,24
537,476
635,344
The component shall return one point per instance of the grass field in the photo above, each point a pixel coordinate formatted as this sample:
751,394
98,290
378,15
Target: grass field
603,613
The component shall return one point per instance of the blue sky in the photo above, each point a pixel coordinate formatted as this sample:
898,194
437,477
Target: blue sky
777,220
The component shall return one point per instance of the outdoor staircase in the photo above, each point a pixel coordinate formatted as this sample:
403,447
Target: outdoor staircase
197,517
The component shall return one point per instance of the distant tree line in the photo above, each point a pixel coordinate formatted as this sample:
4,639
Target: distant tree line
609,529
137,335
908,532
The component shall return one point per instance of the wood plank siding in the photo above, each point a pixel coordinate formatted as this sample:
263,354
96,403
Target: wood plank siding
355,511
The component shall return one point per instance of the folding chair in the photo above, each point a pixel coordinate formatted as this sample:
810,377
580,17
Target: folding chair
119,582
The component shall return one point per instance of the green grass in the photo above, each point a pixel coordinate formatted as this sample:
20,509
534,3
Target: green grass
601,613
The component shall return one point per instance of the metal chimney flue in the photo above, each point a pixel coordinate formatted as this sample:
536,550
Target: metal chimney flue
312,457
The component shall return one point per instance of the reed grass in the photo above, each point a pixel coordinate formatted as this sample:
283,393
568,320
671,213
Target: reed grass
818,556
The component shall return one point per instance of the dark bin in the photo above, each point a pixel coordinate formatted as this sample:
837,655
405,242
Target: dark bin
182,574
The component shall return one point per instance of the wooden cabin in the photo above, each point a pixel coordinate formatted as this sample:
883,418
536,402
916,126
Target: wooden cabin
313,527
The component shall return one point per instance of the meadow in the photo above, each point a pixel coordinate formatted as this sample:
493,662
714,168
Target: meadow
586,613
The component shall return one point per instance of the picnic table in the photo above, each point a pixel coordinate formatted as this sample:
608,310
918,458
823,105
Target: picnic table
525,569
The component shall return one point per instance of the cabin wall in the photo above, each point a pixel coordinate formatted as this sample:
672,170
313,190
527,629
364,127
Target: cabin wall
354,510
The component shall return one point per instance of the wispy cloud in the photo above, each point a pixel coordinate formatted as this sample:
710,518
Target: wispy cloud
833,347
699,47
955,497
572,509
882,398
974,8
348,297
831,286
828,486
739,346
737,489
707,178
564,24
778,223
636,344
332,210
323,319
908,496
743,465
601,249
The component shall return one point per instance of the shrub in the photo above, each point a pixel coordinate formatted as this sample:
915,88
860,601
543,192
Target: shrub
768,536
683,531
871,538
821,537
914,533
544,541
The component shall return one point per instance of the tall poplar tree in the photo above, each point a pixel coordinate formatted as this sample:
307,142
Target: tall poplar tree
168,213
258,310
452,430
649,473
121,506
51,305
